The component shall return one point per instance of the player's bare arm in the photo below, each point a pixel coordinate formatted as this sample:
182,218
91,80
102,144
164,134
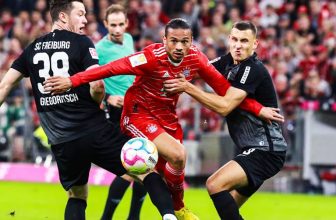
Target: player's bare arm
97,89
11,78
220,104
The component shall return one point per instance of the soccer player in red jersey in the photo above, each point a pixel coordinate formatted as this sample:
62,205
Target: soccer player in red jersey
148,110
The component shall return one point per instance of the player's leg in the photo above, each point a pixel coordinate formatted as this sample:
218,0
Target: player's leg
159,194
219,185
73,164
76,205
138,197
240,197
107,155
175,155
117,190
173,171
169,148
235,182
119,185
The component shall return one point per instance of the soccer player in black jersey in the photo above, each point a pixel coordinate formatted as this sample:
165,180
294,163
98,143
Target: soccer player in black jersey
76,127
262,145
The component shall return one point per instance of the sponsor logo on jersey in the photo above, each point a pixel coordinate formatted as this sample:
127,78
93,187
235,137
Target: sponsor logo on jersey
166,74
151,128
138,60
245,74
93,53
186,72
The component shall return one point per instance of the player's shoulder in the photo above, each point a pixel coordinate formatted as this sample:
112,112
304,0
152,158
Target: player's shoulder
75,38
193,50
221,62
155,50
220,59
40,39
254,63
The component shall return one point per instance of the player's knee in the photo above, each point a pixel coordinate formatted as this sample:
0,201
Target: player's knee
213,186
210,185
178,157
78,192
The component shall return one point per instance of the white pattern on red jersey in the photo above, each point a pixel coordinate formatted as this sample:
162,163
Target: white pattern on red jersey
147,93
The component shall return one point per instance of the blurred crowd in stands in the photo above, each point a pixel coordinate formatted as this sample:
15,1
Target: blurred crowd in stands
297,44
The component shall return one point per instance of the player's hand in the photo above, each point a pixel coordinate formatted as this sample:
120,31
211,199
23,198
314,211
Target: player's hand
116,100
97,90
271,114
177,85
57,84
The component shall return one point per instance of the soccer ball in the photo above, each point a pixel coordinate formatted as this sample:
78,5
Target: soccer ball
139,156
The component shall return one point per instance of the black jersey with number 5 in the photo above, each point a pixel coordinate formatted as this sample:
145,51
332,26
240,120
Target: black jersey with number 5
71,115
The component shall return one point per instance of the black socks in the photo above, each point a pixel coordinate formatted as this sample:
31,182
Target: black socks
116,191
138,197
75,209
226,206
159,193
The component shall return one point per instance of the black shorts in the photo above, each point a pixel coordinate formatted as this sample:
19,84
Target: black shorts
259,165
114,114
102,148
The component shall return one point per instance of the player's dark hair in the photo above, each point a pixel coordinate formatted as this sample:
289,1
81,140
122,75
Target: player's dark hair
246,25
177,23
115,8
57,6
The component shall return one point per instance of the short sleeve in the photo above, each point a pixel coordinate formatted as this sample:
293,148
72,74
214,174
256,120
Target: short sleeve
21,64
247,78
89,55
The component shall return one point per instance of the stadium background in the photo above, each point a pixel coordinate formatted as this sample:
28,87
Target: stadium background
297,45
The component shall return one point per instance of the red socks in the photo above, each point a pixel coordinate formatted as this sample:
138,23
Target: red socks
175,179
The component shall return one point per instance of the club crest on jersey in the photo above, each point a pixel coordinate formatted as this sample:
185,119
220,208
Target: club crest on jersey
138,60
151,128
186,72
93,53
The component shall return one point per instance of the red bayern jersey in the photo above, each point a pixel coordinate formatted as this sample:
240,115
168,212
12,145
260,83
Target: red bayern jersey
152,67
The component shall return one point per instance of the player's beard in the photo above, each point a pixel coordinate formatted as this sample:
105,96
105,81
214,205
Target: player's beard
171,58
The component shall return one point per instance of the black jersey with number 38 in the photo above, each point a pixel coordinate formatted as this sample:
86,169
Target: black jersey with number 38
67,116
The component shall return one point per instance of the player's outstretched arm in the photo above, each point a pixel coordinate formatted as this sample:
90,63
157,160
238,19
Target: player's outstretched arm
122,66
222,104
11,78
97,88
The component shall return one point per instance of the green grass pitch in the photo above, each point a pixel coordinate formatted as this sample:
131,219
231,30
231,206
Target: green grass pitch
33,201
